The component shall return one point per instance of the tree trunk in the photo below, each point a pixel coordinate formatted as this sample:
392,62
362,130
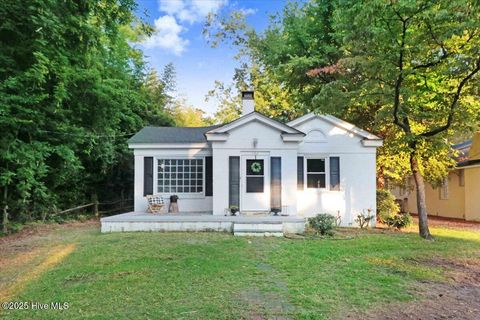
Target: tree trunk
95,204
5,210
421,200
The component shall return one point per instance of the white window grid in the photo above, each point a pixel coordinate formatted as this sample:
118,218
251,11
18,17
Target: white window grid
180,176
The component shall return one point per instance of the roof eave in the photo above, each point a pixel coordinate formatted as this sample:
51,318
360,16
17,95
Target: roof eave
254,116
211,136
337,122
167,145
292,137
372,143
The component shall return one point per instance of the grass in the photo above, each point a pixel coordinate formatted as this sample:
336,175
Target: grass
218,276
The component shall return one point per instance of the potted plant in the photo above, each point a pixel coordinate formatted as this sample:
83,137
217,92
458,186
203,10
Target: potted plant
275,211
233,210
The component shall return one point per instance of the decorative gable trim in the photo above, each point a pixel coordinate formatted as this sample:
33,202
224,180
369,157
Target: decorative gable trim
255,116
288,133
293,137
315,136
336,122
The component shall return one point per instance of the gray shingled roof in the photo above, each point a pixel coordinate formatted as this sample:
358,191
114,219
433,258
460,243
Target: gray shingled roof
171,135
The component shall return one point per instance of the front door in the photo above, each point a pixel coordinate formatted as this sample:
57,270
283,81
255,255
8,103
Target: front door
255,176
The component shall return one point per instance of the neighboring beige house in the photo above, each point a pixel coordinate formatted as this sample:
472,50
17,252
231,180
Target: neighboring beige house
459,196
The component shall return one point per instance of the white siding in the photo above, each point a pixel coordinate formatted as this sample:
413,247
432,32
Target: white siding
357,169
357,172
186,202
240,142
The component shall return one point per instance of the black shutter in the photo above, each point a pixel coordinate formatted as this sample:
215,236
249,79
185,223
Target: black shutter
276,182
208,176
299,173
234,181
147,176
334,173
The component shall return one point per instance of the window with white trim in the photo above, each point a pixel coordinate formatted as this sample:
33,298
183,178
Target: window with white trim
316,177
180,176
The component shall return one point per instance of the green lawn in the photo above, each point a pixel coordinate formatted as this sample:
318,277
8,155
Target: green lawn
218,276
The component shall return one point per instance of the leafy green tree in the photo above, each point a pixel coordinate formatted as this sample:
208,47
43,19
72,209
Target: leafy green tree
186,115
270,97
72,90
160,93
297,40
406,70
421,59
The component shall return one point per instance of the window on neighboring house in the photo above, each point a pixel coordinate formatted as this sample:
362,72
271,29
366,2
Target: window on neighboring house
180,176
316,173
461,177
444,189
405,187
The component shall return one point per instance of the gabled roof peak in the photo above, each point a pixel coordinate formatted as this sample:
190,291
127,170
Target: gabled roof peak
255,116
336,122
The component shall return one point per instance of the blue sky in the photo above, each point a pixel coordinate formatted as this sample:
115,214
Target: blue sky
179,39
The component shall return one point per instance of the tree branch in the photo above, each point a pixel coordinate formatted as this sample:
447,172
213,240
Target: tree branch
445,53
454,103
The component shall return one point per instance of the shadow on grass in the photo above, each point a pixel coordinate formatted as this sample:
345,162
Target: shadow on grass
218,276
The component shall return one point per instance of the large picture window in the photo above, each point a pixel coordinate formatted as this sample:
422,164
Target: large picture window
316,173
180,176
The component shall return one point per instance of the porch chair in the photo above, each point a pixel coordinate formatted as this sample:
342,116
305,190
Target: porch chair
156,204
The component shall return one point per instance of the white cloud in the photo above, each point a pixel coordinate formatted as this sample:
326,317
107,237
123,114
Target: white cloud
248,11
169,27
167,35
190,11
170,6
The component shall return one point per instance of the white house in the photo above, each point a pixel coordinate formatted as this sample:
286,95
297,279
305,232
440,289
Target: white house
311,165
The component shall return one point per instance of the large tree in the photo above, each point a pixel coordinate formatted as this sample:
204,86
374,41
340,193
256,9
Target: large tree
406,70
72,90
421,59
271,98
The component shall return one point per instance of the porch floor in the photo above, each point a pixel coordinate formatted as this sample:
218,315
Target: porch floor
202,221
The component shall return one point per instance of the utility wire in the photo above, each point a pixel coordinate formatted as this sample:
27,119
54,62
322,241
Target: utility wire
87,135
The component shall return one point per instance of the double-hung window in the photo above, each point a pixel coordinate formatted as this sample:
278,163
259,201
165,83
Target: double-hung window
316,177
180,176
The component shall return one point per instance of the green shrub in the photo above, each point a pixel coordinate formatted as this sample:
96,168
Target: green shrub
386,205
15,227
363,219
399,221
322,223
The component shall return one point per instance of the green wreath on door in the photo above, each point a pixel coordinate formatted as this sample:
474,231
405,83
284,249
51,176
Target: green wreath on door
256,167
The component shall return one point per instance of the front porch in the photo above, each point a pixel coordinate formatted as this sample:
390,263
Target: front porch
202,221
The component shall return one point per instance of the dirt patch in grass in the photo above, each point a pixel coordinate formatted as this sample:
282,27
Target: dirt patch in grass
28,237
456,298
268,298
25,255
450,223
266,305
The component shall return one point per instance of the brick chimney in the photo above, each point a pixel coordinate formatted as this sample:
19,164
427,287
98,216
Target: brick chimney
248,102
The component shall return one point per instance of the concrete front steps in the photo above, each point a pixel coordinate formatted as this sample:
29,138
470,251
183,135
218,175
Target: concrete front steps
274,229
238,225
